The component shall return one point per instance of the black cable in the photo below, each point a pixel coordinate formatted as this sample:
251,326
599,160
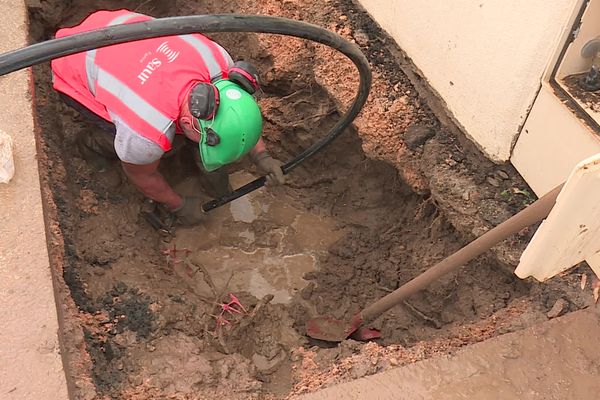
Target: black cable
55,48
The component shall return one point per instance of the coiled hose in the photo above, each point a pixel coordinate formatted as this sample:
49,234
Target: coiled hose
55,48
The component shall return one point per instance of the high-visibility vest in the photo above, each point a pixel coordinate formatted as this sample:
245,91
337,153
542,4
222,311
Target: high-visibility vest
141,82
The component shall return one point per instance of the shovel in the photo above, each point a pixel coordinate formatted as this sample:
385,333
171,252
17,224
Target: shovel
332,330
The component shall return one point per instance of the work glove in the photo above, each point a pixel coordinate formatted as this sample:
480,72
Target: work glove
270,167
190,212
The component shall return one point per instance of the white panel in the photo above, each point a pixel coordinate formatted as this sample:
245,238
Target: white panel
552,142
570,233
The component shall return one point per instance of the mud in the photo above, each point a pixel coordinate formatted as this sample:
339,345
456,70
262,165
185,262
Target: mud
354,223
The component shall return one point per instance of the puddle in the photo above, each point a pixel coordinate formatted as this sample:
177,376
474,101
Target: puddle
242,210
259,244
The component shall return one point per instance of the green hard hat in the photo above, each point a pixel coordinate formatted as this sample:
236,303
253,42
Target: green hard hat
234,130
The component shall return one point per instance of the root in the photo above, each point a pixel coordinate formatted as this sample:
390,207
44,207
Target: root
222,342
438,217
337,199
392,229
199,267
238,325
301,123
141,5
433,321
418,313
308,185
292,95
261,303
420,211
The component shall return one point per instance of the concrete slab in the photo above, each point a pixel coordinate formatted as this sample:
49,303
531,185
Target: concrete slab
559,359
30,361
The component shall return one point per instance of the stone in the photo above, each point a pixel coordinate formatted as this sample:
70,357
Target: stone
307,292
502,174
361,37
360,369
493,181
7,165
268,366
417,135
349,347
559,308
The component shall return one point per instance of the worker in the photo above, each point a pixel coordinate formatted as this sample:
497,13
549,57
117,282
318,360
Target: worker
151,94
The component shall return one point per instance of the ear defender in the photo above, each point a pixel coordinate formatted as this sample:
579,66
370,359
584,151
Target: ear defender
244,74
204,101
204,97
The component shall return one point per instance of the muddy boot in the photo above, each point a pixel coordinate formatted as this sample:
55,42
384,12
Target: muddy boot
214,184
97,148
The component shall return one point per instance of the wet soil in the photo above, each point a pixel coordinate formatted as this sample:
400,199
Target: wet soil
392,196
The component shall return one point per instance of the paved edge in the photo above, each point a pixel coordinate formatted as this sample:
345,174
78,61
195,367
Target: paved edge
30,362
557,359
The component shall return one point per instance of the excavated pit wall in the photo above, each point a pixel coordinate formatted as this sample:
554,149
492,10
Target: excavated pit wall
383,203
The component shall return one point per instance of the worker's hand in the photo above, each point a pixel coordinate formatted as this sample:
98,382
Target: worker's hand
190,212
270,167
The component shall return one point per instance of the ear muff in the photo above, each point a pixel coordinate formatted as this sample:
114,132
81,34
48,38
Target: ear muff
244,74
204,97
204,101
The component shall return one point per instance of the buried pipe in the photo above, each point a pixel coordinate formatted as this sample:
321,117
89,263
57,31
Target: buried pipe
55,48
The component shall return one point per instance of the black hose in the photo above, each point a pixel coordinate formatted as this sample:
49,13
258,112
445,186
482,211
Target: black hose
55,48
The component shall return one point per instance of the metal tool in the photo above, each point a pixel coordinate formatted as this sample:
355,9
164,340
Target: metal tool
158,217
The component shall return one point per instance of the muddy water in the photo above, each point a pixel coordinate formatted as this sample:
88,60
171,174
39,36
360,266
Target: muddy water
230,246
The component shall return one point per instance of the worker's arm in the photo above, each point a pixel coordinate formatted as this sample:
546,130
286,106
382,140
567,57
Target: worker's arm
152,184
258,148
267,164
140,158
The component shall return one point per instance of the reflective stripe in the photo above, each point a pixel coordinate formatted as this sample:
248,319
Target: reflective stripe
228,61
133,101
225,55
91,69
122,18
206,54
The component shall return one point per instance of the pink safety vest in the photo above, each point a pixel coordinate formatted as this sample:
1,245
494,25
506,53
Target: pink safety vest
141,82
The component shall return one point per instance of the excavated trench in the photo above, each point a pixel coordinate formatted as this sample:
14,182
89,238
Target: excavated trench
140,307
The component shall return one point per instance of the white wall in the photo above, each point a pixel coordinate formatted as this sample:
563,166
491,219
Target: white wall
485,58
